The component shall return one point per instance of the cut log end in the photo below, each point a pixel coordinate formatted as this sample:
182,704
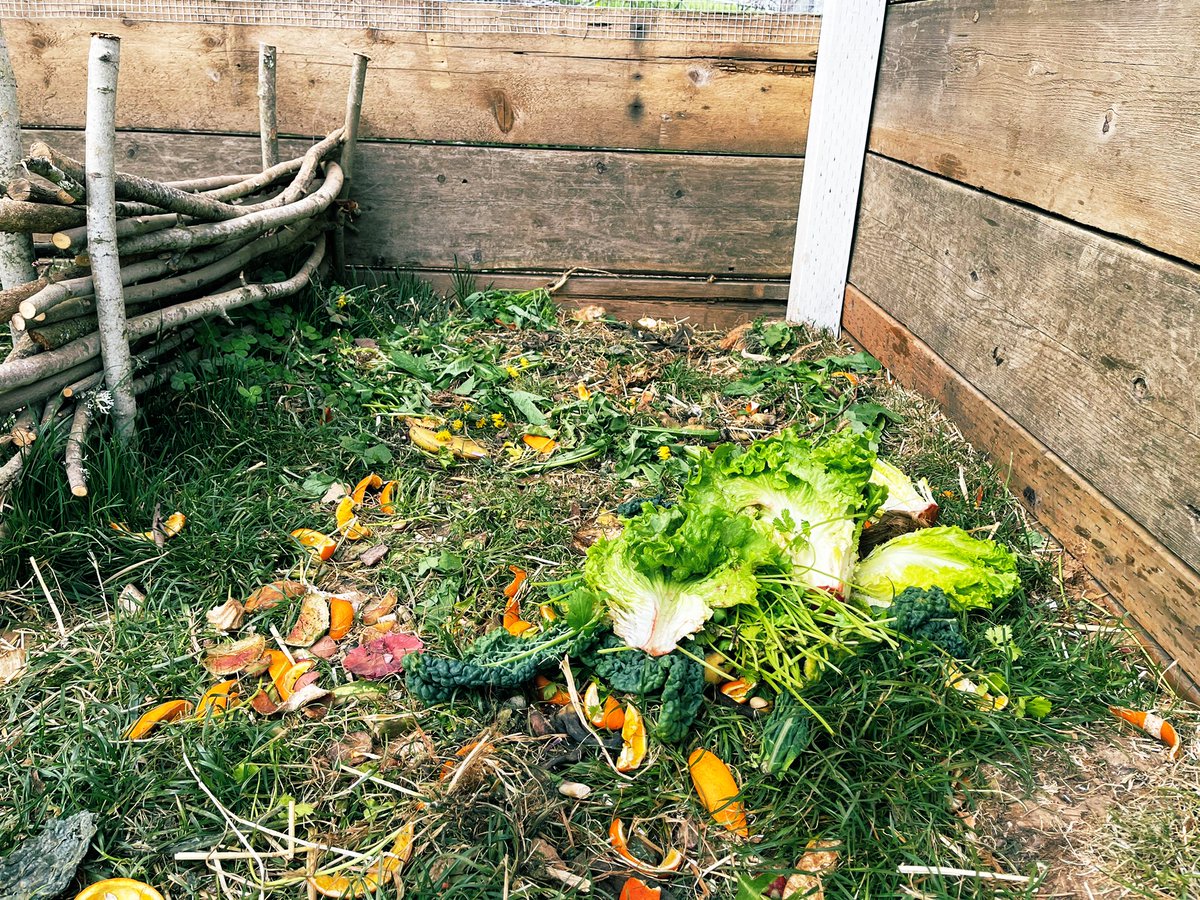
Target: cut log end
27,309
61,240
79,490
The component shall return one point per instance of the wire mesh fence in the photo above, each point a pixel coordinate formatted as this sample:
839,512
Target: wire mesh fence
736,21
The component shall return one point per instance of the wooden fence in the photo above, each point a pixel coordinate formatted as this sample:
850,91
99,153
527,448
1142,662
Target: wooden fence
482,149
1026,253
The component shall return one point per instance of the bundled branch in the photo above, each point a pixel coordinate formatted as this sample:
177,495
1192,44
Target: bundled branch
173,254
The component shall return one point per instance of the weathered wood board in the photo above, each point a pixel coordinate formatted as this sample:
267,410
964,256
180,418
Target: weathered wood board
506,89
1091,344
1160,591
493,207
1089,109
726,303
424,206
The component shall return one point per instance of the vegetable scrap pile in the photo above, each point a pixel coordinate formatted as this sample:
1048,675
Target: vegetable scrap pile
589,609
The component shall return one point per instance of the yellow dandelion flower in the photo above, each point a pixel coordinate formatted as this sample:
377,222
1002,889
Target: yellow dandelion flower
581,391
523,363
457,424
481,423
443,435
512,371
341,301
497,420
664,452
466,406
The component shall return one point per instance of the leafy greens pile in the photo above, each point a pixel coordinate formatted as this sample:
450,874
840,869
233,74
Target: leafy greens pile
758,559
755,569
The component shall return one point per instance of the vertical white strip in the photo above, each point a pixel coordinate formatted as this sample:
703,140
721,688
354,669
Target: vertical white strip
847,61
104,60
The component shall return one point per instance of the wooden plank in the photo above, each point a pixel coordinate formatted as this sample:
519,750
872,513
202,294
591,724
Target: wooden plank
837,142
772,294
717,304
1092,344
506,89
1158,589
1089,109
426,206
492,207
469,23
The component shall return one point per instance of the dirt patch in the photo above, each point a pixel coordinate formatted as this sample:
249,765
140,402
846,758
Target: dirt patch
1111,818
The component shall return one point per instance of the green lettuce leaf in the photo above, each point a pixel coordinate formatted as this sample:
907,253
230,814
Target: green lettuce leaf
669,569
811,499
971,572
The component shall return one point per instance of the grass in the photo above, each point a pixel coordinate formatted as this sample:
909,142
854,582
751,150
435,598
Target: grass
249,445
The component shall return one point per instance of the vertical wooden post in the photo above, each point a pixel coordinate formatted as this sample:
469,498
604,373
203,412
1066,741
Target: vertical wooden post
844,87
16,250
100,136
268,122
354,97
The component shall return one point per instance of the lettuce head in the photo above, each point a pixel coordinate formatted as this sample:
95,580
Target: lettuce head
809,498
971,572
669,569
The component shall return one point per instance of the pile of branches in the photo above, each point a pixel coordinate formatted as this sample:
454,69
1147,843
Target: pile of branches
123,266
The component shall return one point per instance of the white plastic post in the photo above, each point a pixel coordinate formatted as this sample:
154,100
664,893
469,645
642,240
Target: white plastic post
844,86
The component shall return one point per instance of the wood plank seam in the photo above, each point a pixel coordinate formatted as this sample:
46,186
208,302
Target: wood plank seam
1091,343
414,142
1089,108
1033,208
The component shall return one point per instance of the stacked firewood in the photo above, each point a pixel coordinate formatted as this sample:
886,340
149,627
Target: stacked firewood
110,313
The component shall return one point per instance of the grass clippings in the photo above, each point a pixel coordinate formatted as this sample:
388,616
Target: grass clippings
273,427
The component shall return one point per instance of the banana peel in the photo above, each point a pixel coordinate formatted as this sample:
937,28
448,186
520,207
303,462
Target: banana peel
460,447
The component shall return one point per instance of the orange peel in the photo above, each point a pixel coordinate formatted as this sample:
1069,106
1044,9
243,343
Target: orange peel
318,544
347,521
370,483
633,736
119,889
718,790
217,698
164,712
540,443
386,506
671,861
341,617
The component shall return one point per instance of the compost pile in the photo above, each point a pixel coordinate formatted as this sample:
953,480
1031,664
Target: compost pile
750,580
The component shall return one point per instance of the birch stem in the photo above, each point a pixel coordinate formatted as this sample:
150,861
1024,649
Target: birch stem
76,477
16,251
206,207
21,372
268,123
255,223
103,63
354,97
